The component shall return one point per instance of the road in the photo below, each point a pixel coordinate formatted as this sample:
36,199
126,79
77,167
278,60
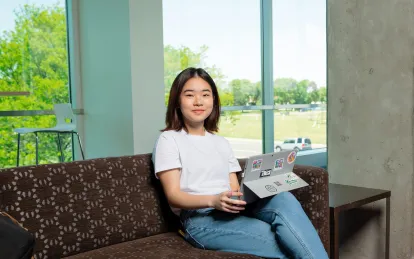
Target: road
249,147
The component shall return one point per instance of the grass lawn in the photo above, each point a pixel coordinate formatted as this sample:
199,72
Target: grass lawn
303,124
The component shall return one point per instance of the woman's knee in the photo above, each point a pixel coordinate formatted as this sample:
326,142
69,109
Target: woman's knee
286,198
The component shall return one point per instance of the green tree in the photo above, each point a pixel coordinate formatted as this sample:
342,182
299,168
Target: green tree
282,96
227,99
33,57
283,89
314,96
245,92
318,95
300,92
322,94
178,59
285,83
288,90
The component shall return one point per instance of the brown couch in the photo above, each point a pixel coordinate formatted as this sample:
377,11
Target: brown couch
115,208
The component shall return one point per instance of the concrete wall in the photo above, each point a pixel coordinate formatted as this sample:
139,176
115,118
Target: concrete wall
147,71
370,123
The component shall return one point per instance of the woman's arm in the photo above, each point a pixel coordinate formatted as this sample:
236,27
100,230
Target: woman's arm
170,181
234,182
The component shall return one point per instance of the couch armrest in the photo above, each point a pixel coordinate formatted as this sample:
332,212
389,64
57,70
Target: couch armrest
314,198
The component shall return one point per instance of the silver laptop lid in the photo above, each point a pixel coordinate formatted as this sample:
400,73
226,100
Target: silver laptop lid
266,165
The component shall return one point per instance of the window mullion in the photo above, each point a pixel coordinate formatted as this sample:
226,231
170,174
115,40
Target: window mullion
267,74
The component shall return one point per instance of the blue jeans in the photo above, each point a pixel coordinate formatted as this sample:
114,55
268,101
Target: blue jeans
274,227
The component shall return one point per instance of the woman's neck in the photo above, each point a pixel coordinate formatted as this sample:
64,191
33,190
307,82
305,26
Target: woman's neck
195,129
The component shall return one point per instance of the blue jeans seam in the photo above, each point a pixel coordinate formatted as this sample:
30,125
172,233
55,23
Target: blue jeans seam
291,229
230,231
195,240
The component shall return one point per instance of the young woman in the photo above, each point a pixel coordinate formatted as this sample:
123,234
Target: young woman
197,170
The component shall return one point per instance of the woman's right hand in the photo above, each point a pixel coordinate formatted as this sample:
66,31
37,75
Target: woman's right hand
224,202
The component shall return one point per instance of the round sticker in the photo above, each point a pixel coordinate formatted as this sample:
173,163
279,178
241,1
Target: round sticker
270,188
291,157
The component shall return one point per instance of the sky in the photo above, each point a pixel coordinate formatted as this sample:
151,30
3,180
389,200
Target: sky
8,6
231,30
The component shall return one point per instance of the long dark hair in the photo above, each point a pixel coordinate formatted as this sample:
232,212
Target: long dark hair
174,118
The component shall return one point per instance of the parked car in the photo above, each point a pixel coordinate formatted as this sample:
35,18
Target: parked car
297,144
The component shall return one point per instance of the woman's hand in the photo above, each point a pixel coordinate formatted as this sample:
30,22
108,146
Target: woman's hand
224,202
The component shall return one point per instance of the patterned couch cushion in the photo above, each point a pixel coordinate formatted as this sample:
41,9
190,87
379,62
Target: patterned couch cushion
164,246
80,206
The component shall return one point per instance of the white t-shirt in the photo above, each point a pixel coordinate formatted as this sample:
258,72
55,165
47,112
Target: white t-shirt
205,161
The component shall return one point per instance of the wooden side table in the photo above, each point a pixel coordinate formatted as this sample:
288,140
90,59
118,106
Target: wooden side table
345,197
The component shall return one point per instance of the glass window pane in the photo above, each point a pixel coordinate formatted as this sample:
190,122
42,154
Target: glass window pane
48,142
222,37
226,44
299,62
33,54
33,61
243,129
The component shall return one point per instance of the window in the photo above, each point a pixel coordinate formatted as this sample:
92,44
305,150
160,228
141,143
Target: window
299,69
228,47
289,141
33,62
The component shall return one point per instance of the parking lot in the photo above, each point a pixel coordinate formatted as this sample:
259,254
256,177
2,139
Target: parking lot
248,147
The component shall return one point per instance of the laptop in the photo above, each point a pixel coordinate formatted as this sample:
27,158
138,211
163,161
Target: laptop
269,174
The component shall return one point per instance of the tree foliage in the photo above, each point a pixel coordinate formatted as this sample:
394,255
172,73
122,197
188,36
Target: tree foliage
33,57
178,59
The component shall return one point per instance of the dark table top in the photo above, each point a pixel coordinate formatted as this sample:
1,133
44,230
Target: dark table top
345,197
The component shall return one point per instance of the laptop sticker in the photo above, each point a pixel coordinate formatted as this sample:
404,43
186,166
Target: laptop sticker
291,157
257,164
265,173
278,183
291,178
291,181
270,188
279,164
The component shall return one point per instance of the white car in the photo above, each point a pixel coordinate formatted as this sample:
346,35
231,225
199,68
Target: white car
297,144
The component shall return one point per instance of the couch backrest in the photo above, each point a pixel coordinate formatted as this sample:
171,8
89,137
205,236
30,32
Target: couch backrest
84,205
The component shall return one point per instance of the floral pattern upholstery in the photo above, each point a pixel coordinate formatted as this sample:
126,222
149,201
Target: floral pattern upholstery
115,208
